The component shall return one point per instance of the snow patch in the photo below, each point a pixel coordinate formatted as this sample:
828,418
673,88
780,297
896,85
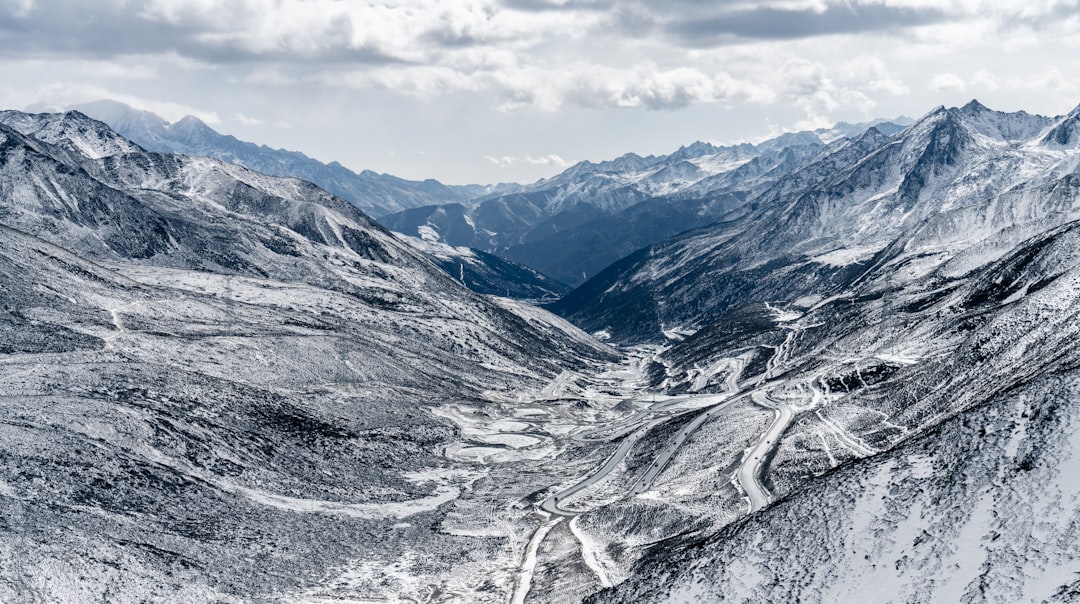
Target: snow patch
847,256
428,233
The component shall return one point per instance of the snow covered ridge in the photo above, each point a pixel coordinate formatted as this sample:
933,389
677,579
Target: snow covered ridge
961,183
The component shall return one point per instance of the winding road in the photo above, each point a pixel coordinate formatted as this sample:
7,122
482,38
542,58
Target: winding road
551,504
749,473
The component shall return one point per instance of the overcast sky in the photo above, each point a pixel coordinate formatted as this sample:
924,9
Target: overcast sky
514,90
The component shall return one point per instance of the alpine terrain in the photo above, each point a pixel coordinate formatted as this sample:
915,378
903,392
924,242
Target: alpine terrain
854,379
223,386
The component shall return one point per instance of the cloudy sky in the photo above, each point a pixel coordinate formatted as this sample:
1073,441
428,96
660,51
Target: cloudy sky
501,90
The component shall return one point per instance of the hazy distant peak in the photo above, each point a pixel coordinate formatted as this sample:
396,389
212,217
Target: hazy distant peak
374,193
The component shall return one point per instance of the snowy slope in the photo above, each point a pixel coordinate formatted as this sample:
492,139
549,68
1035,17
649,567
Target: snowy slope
931,454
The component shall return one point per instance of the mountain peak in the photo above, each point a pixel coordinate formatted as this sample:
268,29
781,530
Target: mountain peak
75,114
72,130
974,106
190,123
1007,127
696,149
1066,133
789,139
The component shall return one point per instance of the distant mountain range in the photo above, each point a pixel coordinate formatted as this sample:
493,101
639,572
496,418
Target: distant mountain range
375,194
574,224
953,176
569,226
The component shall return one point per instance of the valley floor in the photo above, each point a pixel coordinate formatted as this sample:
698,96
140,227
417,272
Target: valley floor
560,464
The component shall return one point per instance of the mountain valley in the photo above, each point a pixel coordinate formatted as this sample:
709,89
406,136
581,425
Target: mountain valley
835,366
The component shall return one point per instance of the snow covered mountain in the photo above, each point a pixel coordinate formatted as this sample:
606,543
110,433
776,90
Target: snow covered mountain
957,177
919,441
574,224
376,194
217,385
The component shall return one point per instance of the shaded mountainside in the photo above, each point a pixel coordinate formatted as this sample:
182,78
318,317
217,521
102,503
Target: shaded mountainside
374,193
489,274
216,385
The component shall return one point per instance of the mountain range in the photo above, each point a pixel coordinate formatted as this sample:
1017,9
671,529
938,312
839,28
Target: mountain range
569,226
576,223
957,175
893,320
376,194
855,382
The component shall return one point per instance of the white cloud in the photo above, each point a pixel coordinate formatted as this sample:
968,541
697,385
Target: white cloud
870,73
985,79
106,69
20,8
247,120
418,81
582,85
507,161
58,96
271,76
944,82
